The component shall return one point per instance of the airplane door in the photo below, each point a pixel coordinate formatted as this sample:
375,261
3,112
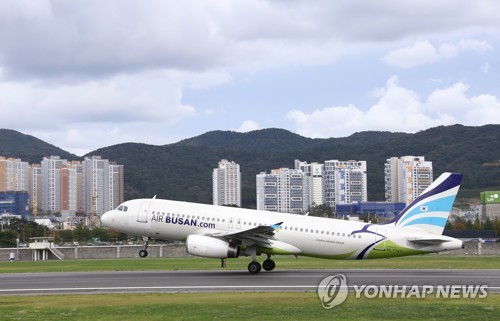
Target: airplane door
238,223
379,237
230,224
142,216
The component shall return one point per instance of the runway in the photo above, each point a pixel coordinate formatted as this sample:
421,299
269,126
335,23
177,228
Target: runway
232,281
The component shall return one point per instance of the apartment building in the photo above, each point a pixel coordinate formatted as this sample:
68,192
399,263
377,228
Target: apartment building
226,183
406,178
283,190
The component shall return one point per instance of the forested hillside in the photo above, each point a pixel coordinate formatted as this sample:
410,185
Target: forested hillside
28,148
183,171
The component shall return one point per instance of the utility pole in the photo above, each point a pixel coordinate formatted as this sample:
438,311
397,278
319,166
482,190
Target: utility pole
35,208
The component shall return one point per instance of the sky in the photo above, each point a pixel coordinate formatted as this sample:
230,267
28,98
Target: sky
83,75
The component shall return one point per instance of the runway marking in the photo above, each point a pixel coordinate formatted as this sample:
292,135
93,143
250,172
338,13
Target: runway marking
203,287
166,288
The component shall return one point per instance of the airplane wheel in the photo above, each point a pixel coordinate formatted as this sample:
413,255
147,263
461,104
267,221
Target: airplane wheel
268,265
254,267
143,253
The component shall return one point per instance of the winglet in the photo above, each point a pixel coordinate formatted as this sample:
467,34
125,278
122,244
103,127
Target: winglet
277,225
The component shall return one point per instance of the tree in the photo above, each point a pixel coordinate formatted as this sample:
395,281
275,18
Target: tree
488,224
321,210
102,234
496,224
25,230
8,238
63,236
82,234
477,223
459,224
369,217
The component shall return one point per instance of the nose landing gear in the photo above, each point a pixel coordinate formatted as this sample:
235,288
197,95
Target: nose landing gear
144,252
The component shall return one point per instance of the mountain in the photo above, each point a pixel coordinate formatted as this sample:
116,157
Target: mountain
183,171
28,148
277,140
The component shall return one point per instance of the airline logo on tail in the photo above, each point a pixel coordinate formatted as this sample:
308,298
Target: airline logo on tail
430,211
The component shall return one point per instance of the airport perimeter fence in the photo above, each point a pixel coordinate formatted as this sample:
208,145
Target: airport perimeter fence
179,250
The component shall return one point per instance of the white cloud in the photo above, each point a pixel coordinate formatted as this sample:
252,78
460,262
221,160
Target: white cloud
151,96
74,69
454,102
423,52
248,126
93,38
400,109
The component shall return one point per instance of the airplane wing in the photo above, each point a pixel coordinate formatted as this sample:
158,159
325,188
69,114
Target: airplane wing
262,234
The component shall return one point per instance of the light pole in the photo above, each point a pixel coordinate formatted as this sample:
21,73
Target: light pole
17,249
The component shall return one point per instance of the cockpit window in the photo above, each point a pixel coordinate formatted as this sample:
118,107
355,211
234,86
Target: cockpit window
122,208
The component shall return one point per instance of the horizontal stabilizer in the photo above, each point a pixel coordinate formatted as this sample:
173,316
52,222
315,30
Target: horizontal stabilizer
428,241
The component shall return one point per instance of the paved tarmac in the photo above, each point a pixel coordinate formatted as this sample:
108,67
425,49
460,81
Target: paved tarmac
232,281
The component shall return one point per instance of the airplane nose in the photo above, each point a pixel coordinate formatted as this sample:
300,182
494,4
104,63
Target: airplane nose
106,219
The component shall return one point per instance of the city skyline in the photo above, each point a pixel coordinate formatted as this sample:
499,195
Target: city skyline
158,72
56,185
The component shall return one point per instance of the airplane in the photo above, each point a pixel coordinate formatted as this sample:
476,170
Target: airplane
227,232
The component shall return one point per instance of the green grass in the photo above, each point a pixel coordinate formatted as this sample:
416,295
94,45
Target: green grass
282,262
240,306
247,306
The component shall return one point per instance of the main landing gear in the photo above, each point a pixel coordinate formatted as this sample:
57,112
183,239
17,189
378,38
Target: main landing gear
144,251
254,267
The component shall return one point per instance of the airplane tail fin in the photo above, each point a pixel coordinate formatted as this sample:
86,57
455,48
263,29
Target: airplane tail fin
431,209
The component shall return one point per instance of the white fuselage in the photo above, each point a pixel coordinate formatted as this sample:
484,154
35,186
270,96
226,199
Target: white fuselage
298,234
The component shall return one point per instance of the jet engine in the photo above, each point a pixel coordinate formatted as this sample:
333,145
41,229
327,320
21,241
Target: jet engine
206,246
